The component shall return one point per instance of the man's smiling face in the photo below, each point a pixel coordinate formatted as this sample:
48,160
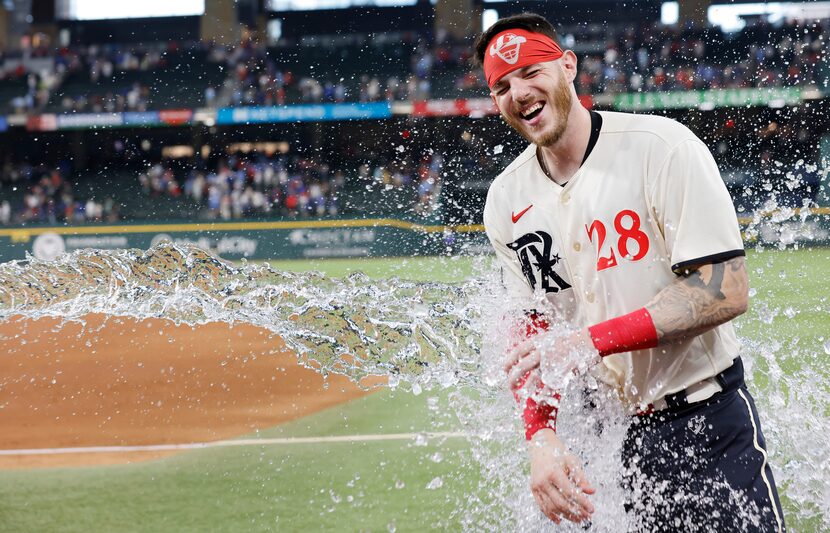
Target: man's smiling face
535,100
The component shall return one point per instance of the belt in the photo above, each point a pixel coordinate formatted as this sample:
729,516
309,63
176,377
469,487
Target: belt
731,378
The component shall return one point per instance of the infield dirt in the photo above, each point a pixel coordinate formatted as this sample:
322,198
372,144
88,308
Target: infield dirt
124,382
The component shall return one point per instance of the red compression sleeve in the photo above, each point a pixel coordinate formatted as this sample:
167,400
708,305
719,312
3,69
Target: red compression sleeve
634,331
536,415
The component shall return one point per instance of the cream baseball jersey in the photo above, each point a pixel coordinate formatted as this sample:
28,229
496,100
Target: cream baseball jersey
646,203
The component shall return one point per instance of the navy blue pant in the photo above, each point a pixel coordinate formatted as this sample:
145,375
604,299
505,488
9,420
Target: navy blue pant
701,468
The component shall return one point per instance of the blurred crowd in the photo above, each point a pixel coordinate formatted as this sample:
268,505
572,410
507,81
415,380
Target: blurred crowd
650,57
49,197
260,75
390,67
405,182
246,185
659,58
132,98
93,78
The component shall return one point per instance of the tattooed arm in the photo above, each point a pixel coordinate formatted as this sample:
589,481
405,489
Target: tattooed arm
699,300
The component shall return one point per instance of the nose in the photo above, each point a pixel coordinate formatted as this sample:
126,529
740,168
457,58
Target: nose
519,90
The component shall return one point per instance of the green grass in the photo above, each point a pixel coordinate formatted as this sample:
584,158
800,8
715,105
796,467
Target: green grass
351,486
795,279
290,487
443,269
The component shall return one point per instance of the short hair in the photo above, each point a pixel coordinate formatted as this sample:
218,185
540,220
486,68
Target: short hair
524,21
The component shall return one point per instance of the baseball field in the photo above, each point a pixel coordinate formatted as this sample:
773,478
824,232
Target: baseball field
118,425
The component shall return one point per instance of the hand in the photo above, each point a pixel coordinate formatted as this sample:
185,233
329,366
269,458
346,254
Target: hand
557,481
522,367
567,357
553,358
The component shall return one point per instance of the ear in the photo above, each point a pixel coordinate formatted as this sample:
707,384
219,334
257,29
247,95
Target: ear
568,62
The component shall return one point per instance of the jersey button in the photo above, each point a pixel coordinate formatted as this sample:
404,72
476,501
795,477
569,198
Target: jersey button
577,247
590,297
566,197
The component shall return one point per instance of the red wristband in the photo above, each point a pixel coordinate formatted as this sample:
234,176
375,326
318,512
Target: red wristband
536,324
634,331
537,415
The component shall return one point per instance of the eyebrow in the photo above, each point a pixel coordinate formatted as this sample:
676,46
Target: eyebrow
499,84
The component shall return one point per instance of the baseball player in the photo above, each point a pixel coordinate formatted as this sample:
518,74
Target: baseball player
623,223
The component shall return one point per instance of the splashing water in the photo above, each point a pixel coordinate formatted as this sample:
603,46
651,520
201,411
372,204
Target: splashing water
349,326
423,336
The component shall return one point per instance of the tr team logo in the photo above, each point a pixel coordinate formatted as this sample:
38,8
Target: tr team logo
507,48
534,251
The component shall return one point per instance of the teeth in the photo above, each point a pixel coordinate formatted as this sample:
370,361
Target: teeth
531,109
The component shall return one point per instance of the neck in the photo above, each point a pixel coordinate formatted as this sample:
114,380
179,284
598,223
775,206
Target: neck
563,159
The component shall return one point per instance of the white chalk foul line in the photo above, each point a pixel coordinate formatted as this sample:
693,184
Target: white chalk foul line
228,443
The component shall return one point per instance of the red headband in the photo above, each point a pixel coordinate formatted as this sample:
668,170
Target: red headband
515,48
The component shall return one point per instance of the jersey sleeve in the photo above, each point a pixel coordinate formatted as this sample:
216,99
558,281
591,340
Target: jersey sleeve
511,273
693,209
540,414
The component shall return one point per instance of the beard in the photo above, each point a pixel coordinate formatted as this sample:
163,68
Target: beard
561,101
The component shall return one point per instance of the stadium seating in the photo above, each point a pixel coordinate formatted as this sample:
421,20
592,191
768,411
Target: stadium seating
13,94
352,68
174,79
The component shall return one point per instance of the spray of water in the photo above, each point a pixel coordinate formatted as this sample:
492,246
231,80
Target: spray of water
422,336
349,326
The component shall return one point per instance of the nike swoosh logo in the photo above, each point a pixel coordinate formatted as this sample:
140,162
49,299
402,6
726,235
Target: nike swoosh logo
516,217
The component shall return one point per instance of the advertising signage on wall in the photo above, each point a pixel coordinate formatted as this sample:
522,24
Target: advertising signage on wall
773,97
250,240
333,238
74,121
303,113
228,115
471,107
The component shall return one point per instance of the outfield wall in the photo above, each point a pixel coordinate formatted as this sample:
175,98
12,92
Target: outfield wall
311,239
308,239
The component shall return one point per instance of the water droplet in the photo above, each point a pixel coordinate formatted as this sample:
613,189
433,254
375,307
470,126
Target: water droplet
435,484
765,314
394,381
